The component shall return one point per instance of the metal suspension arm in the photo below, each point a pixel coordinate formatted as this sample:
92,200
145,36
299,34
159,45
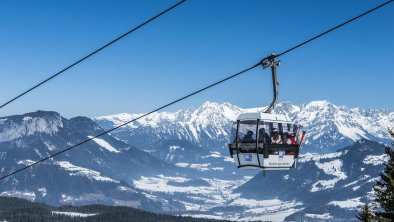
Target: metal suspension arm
271,62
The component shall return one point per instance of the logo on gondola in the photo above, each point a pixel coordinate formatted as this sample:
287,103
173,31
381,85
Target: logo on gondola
279,163
281,154
248,157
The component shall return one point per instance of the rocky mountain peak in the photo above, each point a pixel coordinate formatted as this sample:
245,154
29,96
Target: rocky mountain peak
43,122
328,126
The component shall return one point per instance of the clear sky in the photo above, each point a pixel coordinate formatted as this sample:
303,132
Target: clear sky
198,43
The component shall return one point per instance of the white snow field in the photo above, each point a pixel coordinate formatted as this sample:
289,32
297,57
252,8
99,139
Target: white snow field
104,144
72,214
81,171
218,193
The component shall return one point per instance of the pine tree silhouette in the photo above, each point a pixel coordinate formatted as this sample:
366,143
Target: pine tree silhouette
366,214
384,188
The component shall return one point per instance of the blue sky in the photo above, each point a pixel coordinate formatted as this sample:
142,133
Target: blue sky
196,44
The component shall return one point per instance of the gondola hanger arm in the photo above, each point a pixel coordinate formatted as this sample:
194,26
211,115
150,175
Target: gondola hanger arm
271,62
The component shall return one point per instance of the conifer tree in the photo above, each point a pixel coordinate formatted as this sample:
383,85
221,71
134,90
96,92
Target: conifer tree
365,215
384,189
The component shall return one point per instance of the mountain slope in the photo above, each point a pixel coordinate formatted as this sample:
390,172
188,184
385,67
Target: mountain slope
184,154
335,184
14,209
99,171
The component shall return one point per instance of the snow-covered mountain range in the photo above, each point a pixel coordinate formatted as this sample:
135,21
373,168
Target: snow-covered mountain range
177,163
329,127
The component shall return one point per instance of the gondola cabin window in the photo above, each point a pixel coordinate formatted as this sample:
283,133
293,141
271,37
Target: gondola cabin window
247,131
247,136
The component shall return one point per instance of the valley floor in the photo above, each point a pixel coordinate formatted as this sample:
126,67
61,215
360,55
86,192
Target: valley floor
216,199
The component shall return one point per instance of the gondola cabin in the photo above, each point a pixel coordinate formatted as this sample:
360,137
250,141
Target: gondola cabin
265,141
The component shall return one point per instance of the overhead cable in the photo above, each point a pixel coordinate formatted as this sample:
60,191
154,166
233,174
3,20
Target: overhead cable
195,92
91,54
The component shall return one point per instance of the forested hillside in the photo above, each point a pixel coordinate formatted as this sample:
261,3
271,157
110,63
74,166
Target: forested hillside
15,210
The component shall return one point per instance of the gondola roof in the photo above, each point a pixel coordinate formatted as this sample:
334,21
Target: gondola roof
269,117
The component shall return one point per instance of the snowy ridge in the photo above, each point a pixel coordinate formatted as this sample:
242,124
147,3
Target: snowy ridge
325,216
376,159
25,162
21,194
80,171
333,168
209,123
73,214
330,164
104,144
354,203
327,125
10,130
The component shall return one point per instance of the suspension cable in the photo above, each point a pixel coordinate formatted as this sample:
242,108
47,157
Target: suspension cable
334,28
191,94
91,54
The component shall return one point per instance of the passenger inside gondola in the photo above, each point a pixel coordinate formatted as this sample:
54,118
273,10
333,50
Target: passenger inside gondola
248,138
276,138
263,136
291,138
